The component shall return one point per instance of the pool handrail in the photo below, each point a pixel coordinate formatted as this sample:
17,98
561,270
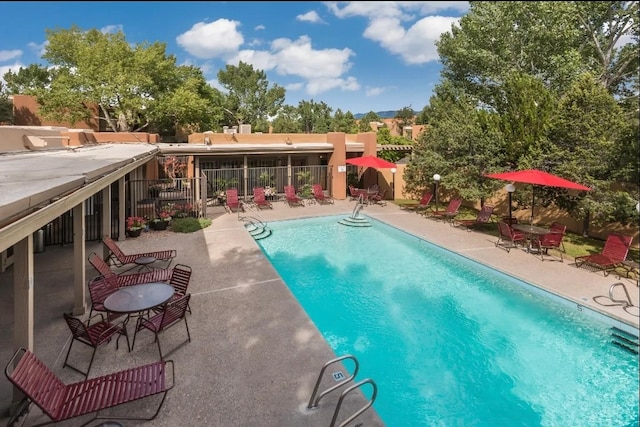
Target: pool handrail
314,403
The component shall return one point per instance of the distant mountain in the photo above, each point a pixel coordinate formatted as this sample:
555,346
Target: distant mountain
384,114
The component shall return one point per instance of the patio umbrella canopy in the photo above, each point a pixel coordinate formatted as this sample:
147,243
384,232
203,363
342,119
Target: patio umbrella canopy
371,162
537,177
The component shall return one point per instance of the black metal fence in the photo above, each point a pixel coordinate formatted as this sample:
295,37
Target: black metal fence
275,177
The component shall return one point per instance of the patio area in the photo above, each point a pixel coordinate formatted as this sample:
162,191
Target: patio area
254,355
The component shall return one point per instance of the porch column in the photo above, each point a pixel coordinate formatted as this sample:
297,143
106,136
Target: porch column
79,275
22,303
245,173
23,293
106,217
289,169
122,222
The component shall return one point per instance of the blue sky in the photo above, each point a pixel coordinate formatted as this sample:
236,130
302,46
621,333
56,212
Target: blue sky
356,56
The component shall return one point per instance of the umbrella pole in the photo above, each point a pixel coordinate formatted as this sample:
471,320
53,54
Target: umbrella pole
533,202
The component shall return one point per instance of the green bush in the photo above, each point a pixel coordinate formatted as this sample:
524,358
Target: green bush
189,225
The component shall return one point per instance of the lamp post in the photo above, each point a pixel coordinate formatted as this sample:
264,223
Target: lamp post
393,183
510,189
436,180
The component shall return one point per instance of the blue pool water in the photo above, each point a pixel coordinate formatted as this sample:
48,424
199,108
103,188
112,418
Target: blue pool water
448,341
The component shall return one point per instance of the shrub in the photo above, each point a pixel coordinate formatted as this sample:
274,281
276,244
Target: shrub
189,225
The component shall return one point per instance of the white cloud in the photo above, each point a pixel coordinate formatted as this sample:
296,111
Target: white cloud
218,38
373,91
323,69
214,83
112,29
311,16
39,49
7,55
415,44
259,27
294,86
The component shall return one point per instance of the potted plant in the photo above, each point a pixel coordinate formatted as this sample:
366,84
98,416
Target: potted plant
305,190
161,222
135,225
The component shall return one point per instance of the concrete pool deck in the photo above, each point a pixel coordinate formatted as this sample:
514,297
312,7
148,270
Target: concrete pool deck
254,355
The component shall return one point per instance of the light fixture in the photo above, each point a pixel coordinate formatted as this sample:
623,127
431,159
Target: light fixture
288,141
510,189
638,207
436,179
393,183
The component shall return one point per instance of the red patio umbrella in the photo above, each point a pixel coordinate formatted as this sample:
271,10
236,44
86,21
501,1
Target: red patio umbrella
371,162
537,177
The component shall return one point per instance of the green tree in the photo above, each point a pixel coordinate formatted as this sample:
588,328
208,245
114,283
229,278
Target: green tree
249,98
344,122
364,124
405,117
27,80
131,85
384,137
287,120
6,106
314,117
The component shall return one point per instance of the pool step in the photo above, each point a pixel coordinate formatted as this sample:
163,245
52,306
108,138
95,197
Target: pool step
258,232
625,340
358,221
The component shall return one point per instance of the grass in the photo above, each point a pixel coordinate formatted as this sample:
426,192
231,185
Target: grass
189,225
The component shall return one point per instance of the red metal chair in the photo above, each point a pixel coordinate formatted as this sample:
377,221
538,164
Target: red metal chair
155,275
291,197
94,335
551,240
100,287
484,216
180,279
233,202
423,204
450,212
172,313
118,258
613,253
508,237
319,195
60,401
260,199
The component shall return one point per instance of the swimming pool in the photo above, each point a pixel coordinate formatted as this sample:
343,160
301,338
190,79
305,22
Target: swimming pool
447,340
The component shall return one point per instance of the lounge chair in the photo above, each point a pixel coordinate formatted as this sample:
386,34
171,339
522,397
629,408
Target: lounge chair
449,213
483,217
508,237
291,197
118,258
260,199
550,240
60,401
423,204
319,195
233,203
613,253
157,275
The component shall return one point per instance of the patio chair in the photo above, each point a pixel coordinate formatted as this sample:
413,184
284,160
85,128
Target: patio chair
356,193
551,240
172,313
508,237
60,401
118,258
180,279
122,279
233,202
100,287
449,213
423,204
378,198
483,217
614,252
291,197
94,335
319,195
260,199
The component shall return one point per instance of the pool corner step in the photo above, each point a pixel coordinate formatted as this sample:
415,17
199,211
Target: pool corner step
355,222
625,340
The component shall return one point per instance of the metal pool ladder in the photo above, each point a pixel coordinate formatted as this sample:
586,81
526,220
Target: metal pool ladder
315,397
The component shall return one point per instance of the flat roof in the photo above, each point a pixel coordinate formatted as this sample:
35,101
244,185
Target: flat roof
30,179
